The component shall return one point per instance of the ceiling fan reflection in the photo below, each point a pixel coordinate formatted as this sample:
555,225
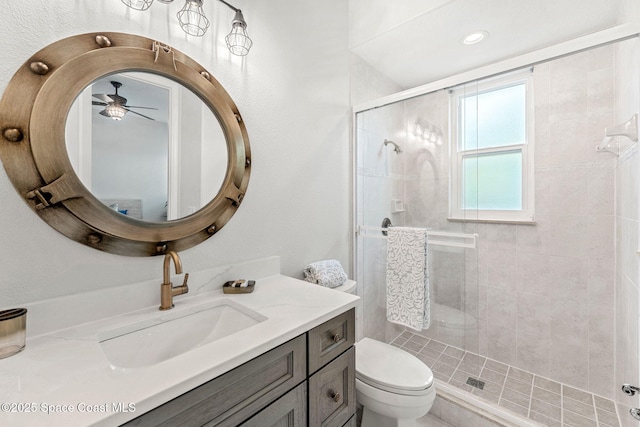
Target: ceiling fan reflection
115,106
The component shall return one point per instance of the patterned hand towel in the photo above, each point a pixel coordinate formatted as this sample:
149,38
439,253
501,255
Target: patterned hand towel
327,273
408,301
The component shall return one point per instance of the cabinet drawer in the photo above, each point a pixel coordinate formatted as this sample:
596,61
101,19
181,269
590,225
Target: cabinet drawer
288,411
330,339
233,397
332,394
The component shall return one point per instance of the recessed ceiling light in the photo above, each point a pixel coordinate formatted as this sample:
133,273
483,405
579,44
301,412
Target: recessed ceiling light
475,37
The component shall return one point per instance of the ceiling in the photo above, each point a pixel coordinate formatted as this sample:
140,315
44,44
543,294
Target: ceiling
414,42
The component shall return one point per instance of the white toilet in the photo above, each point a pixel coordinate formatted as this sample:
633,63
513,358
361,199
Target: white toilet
394,387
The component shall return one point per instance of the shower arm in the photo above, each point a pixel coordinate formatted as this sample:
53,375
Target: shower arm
396,147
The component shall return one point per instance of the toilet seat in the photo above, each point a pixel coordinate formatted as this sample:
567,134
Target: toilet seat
389,368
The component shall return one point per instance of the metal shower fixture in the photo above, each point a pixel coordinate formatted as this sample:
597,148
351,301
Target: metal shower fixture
396,147
194,22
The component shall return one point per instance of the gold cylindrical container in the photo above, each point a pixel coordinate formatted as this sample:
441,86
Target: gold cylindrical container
13,331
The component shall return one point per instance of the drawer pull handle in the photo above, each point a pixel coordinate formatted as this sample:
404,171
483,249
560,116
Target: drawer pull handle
337,337
334,396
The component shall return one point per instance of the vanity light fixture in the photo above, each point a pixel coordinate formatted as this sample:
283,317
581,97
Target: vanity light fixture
237,40
138,4
192,18
194,22
427,131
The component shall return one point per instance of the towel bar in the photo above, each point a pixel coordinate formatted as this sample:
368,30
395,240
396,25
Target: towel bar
445,238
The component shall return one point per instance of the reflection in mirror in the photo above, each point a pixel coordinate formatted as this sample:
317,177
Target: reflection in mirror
146,146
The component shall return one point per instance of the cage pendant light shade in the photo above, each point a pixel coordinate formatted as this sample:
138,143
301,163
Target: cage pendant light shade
192,19
237,40
138,4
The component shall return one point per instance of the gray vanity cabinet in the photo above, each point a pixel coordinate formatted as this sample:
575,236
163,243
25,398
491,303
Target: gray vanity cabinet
332,394
288,411
308,381
332,398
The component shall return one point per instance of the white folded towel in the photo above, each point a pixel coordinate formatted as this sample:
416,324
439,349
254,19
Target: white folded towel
408,300
327,273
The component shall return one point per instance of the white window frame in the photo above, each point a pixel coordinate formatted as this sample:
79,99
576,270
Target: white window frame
456,211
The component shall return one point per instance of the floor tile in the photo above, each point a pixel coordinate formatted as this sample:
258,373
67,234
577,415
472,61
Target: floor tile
543,400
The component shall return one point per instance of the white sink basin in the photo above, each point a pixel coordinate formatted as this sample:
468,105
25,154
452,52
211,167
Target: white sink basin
166,335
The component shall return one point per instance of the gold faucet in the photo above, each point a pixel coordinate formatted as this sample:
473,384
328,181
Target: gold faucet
167,290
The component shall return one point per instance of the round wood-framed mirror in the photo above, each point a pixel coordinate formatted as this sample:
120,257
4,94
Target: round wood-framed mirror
33,115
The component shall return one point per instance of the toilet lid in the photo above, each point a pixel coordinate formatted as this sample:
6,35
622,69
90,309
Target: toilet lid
390,368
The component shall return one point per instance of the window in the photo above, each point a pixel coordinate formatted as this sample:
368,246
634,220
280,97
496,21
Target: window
492,150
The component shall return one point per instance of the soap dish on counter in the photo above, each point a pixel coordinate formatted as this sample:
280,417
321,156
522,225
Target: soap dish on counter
239,287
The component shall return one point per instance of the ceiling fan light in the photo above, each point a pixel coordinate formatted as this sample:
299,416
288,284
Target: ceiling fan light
238,42
139,4
192,18
115,111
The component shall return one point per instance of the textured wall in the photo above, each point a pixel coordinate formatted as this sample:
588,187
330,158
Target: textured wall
293,92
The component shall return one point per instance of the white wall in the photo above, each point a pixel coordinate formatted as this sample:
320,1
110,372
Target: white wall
129,161
293,93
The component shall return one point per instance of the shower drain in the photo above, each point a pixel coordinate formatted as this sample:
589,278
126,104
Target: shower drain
475,383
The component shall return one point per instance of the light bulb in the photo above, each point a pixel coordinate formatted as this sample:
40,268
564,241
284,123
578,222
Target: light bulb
475,37
115,111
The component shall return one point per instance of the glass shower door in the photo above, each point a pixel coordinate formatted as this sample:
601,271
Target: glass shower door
402,180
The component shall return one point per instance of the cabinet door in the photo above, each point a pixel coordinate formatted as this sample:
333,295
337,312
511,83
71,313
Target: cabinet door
332,397
330,339
352,422
233,397
288,411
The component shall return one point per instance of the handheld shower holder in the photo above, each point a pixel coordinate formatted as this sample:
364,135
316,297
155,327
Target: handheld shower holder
628,129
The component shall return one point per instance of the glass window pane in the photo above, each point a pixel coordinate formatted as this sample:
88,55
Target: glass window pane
494,118
492,181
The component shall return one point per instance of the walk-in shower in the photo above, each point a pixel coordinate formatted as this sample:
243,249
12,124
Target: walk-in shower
533,315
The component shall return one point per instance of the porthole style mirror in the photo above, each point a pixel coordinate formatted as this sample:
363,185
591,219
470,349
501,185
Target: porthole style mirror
124,144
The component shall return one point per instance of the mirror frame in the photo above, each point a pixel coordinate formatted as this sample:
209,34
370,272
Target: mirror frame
33,113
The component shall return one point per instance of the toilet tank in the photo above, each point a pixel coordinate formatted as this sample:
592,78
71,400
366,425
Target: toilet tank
349,287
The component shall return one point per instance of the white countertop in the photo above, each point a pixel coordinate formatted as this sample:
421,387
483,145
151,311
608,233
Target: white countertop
66,370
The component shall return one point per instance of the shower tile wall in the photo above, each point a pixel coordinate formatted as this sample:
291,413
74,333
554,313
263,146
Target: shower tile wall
560,293
543,294
545,291
627,229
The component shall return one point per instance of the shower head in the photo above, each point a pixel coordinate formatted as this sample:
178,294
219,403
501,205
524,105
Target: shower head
396,147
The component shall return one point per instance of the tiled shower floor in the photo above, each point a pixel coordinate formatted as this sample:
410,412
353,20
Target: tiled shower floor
538,398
